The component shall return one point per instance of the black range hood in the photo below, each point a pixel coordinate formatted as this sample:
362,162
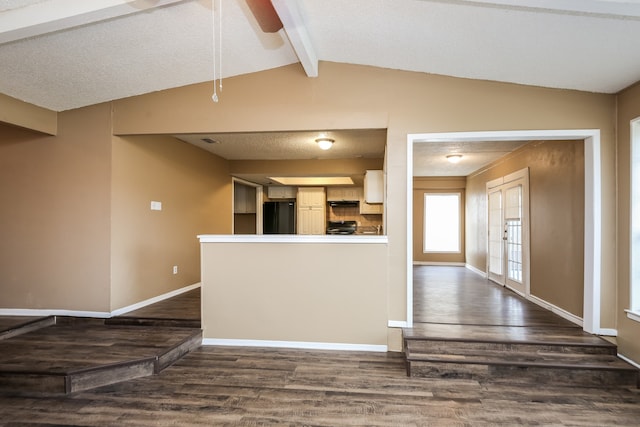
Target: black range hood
344,203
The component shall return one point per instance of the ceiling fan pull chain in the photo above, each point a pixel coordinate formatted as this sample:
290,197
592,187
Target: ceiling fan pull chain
214,97
220,43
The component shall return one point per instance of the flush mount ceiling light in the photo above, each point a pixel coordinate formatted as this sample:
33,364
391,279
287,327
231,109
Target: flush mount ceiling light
454,158
325,143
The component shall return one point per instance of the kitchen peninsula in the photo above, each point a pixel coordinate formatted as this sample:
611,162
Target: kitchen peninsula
303,291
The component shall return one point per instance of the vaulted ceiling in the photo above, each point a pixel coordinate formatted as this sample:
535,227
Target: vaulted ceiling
65,54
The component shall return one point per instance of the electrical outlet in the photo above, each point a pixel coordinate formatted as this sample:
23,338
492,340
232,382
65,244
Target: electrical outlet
175,269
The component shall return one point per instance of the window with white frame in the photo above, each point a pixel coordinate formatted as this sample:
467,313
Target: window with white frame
442,222
634,261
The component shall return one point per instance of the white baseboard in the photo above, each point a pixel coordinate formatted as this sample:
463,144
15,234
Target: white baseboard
608,332
47,312
629,361
557,310
451,264
96,314
136,306
633,315
397,324
295,344
475,270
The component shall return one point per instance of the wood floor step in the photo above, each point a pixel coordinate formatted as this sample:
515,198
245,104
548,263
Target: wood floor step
149,321
79,355
559,355
552,360
177,351
452,346
11,326
53,382
530,373
563,336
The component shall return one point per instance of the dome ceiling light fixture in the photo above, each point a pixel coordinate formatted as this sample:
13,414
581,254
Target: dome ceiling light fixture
325,143
454,158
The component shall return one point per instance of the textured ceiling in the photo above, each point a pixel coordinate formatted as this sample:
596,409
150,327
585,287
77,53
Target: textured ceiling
429,159
361,143
144,52
151,45
588,45
15,4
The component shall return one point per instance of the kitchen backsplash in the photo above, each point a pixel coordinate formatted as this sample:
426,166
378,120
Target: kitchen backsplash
353,214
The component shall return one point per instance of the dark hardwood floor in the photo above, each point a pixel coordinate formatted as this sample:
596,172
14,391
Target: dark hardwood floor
11,326
216,386
260,386
456,295
183,306
182,311
9,322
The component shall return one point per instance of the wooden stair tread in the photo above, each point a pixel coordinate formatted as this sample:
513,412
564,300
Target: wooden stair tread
571,361
154,321
504,334
11,326
77,355
527,355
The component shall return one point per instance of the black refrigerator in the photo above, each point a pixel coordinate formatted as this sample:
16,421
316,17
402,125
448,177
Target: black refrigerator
279,218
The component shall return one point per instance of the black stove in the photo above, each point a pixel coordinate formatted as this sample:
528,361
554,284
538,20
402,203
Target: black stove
342,227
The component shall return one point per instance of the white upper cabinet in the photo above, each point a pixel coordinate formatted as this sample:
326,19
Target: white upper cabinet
374,186
311,197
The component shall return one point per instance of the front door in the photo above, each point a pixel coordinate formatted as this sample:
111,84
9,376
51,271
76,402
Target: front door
508,227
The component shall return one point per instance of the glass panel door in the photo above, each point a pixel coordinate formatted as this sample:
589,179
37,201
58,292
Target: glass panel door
508,207
513,236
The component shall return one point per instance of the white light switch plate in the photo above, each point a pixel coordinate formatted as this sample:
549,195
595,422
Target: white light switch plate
156,206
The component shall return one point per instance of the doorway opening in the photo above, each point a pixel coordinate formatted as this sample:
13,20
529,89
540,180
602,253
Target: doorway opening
592,214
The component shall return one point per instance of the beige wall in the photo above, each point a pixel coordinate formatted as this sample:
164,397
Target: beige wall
350,97
55,214
342,97
194,187
628,330
556,194
77,230
284,292
28,116
421,186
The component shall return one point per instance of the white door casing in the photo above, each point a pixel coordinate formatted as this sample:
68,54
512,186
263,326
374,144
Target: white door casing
592,209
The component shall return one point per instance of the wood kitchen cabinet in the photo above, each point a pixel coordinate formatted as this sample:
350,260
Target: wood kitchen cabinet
311,203
244,199
338,194
281,192
370,208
